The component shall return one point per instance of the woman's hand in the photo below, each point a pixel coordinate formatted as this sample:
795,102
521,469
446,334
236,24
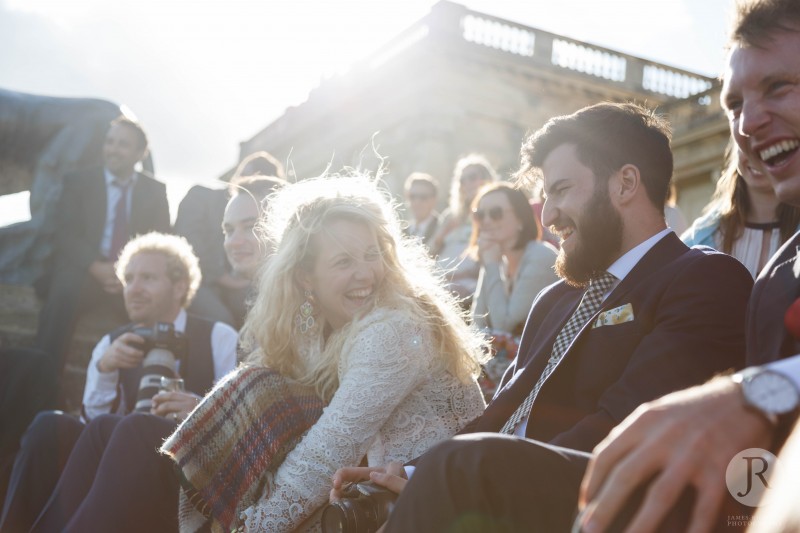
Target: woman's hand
489,250
174,405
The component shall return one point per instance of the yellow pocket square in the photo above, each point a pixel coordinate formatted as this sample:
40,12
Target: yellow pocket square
618,315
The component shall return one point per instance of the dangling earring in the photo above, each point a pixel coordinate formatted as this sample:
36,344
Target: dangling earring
305,316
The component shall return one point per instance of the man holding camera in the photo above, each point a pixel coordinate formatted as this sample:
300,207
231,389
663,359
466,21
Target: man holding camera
155,293
159,274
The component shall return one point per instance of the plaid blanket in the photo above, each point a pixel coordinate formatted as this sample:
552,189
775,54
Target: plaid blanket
236,438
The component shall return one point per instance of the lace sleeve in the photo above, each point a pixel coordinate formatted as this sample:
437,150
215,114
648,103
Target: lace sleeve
383,364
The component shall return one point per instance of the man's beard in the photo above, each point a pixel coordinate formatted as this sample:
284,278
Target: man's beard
599,239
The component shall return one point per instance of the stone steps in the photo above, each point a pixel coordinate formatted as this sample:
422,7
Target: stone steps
19,312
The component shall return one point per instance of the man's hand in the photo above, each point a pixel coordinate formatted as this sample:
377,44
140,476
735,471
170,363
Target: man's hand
391,476
174,405
122,353
103,272
683,439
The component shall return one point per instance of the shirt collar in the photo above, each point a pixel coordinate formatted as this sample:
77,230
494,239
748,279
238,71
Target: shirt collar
112,179
623,266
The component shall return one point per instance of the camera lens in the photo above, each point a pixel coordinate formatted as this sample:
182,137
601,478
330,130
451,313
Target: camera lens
333,520
363,509
157,363
344,516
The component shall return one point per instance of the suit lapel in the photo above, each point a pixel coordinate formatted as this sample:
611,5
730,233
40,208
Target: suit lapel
536,346
528,370
537,342
777,288
663,252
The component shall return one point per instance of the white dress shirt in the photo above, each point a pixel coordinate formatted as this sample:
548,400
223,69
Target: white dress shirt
101,387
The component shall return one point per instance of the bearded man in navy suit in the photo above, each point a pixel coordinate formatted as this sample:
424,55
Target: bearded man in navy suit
664,468
637,315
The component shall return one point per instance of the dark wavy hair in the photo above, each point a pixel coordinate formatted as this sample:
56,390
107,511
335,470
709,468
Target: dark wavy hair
607,137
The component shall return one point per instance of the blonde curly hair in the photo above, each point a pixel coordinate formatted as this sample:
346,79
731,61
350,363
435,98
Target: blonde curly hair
294,217
182,263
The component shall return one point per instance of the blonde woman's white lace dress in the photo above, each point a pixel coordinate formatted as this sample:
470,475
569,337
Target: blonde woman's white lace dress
391,405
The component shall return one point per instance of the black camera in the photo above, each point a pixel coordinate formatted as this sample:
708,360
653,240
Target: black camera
363,509
163,347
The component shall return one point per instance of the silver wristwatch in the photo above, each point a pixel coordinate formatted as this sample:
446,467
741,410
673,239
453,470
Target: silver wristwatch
770,393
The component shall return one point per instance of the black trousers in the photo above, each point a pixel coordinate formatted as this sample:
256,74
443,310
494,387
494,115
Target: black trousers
27,386
115,480
491,482
44,450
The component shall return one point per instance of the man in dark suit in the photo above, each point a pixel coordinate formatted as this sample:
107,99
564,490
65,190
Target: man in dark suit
99,211
636,315
422,193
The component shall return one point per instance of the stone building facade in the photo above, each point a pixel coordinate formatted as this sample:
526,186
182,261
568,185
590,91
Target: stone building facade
459,81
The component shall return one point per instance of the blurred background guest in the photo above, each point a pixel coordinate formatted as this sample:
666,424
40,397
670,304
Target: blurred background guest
244,251
100,209
515,264
422,193
452,241
744,218
199,220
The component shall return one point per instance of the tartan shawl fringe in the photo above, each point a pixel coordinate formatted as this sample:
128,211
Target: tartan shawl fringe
237,437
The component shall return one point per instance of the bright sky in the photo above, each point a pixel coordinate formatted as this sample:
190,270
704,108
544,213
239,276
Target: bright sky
204,75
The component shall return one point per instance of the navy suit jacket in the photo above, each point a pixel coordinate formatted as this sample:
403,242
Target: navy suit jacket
82,217
776,288
689,308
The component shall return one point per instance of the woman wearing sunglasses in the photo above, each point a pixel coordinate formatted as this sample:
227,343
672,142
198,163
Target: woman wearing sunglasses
515,265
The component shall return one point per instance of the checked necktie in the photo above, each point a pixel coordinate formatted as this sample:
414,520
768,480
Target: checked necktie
589,305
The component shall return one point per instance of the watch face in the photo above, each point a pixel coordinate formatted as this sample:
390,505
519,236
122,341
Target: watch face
772,393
